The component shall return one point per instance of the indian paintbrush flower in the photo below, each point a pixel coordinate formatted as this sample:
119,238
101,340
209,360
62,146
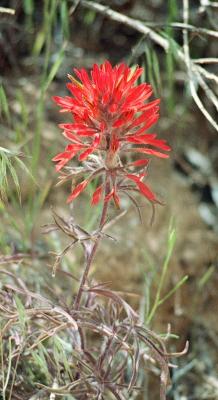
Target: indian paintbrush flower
109,139
110,118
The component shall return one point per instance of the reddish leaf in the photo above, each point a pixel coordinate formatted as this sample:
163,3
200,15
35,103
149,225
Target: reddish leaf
78,189
96,197
109,195
144,189
92,147
66,102
139,163
151,152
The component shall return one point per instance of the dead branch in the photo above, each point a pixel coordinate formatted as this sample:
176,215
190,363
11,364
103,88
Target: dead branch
208,60
190,68
6,10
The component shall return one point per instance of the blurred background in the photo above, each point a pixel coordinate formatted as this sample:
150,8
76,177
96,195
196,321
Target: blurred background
176,43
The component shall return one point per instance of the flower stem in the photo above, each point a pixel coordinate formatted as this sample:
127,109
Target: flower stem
93,251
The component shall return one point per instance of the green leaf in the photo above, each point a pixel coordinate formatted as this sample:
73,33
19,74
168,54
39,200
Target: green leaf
174,289
25,169
15,179
39,359
6,168
54,69
21,312
170,247
206,276
4,108
89,17
156,71
28,6
64,19
149,67
39,43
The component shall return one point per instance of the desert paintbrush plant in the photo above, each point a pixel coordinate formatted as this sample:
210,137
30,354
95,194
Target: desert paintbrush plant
104,346
110,118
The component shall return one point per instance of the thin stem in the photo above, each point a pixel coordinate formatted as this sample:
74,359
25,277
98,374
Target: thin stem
93,251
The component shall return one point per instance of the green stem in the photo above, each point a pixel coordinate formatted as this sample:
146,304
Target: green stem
157,300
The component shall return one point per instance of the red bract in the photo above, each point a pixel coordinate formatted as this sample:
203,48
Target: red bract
110,117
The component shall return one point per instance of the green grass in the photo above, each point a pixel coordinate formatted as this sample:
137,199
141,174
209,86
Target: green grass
156,279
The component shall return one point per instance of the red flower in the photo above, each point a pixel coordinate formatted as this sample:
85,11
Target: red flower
110,118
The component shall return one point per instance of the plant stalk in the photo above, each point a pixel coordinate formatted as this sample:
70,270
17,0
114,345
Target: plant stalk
93,251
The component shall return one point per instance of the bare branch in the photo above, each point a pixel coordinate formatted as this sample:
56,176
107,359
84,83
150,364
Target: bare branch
209,93
208,3
74,7
205,60
195,29
5,10
180,25
207,74
190,68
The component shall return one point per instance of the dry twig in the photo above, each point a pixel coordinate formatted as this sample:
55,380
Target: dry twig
6,10
192,69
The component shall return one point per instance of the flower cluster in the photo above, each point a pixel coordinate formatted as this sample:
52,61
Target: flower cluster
110,119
